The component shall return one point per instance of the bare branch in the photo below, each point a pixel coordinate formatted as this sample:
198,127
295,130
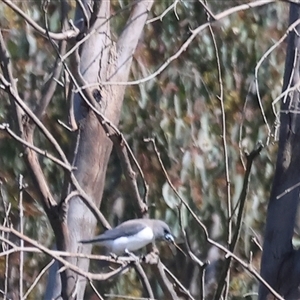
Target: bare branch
64,262
177,282
164,13
185,45
225,152
166,285
34,148
228,253
144,279
123,150
49,87
6,67
37,279
21,215
88,202
69,34
238,227
284,93
202,266
9,89
208,11
116,137
92,285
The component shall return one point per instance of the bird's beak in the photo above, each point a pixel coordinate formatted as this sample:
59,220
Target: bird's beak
170,239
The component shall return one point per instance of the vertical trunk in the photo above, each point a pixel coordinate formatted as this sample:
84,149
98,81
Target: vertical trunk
100,61
278,250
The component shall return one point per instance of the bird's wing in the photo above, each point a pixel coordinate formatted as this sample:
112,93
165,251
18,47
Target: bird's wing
126,228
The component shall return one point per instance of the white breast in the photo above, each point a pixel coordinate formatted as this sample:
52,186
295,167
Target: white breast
132,243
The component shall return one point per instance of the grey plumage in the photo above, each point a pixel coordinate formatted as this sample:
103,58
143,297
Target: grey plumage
132,235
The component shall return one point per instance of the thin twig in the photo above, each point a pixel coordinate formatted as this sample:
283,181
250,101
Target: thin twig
165,12
144,279
208,11
177,282
116,296
50,85
7,70
68,34
242,200
37,279
202,266
241,150
228,253
34,148
186,44
21,215
95,290
257,67
225,151
6,222
74,268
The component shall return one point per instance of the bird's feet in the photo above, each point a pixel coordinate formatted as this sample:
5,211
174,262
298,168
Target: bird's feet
114,256
130,254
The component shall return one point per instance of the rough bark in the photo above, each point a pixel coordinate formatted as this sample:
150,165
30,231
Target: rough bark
279,266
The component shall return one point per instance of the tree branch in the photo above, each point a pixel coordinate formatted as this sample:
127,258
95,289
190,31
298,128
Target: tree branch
65,263
228,253
69,34
186,44
242,200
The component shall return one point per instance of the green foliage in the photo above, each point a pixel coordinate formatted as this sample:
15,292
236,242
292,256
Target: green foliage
32,59
183,112
181,109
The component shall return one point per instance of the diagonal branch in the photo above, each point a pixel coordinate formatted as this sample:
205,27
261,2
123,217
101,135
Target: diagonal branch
120,144
50,86
228,253
36,149
194,34
65,263
9,85
12,92
68,34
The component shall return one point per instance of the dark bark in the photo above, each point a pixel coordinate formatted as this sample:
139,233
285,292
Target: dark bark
279,266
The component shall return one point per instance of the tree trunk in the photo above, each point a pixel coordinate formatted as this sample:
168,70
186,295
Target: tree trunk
279,266
101,60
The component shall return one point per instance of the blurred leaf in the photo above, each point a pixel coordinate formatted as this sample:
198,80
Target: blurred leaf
170,198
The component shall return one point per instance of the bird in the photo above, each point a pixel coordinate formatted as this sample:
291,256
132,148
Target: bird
132,235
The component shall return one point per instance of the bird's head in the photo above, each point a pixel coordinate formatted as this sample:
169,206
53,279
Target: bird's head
162,231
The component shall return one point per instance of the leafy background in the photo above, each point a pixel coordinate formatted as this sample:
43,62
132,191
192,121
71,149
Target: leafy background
181,109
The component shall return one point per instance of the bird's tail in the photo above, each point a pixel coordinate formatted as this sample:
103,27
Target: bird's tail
94,240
